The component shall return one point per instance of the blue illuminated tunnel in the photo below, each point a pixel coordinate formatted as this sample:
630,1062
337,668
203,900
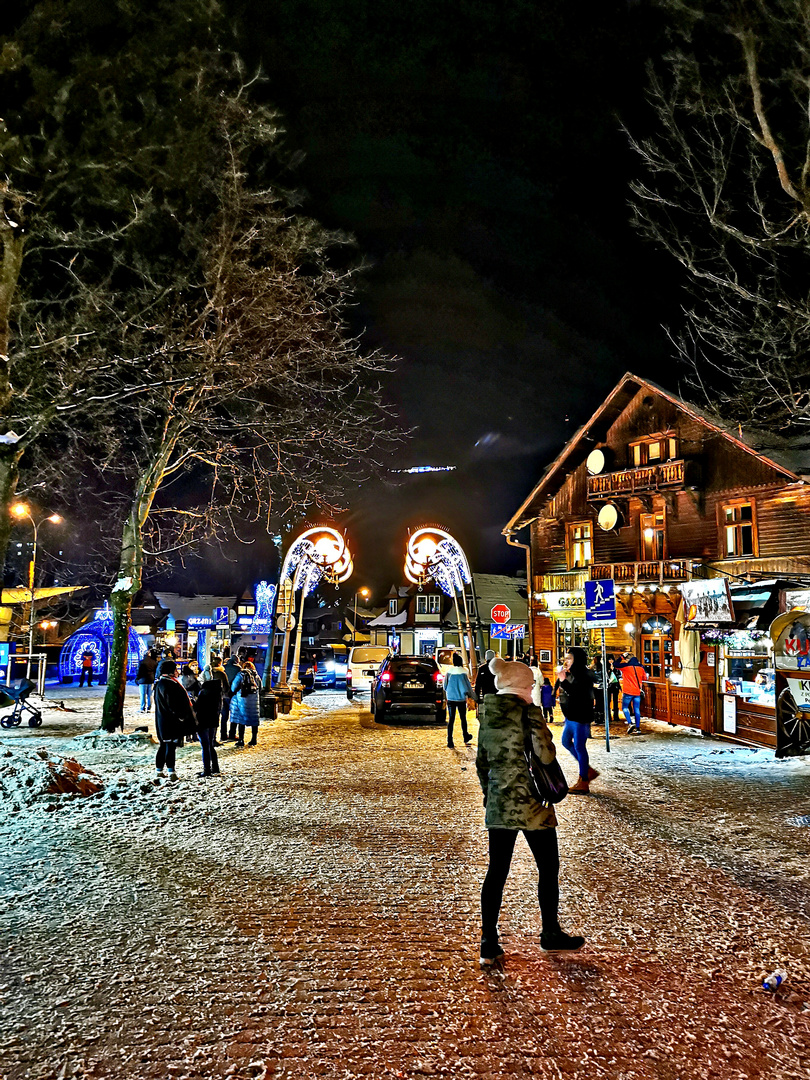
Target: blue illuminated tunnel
96,637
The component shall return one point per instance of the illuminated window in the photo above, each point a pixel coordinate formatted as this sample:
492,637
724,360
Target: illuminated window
739,529
580,544
428,605
653,450
653,537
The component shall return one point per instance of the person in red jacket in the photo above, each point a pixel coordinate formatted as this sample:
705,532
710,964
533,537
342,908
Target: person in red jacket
632,675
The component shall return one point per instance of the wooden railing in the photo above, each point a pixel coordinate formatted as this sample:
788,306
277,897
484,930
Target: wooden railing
572,581
689,706
628,481
644,573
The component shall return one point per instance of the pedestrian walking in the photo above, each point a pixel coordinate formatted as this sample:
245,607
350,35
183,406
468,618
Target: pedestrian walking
576,702
632,676
484,679
458,692
145,678
174,717
245,700
87,668
207,711
547,700
232,669
511,808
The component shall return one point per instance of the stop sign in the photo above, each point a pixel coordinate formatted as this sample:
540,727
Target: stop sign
500,613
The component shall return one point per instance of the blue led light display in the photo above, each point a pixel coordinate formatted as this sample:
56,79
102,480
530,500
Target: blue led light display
96,637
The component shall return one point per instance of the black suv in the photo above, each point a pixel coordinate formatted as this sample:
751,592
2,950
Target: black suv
408,684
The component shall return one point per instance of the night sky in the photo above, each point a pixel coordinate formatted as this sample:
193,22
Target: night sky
474,150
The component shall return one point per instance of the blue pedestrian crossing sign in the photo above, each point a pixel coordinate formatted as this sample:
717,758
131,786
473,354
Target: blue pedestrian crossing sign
600,603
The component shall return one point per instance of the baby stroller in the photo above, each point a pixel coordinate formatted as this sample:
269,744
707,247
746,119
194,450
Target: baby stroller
17,696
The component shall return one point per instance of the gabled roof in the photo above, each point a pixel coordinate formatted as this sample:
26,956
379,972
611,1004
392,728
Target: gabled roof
787,457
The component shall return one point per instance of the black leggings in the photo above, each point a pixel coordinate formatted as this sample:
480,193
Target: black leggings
165,756
543,845
454,707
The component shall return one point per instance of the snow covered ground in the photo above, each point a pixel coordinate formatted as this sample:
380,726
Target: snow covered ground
314,911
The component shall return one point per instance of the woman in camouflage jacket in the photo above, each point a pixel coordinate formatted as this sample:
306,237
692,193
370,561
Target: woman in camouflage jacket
511,807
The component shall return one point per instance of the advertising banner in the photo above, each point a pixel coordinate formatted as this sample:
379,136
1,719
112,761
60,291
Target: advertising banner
707,601
790,634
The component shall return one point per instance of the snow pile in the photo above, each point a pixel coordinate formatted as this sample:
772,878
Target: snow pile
29,775
116,740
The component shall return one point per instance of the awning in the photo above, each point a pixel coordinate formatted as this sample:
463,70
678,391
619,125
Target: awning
755,605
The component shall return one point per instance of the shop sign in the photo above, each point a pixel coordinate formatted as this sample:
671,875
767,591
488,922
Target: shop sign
790,634
707,601
565,603
797,598
199,622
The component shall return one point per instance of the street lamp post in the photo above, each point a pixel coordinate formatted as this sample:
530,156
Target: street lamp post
364,593
20,511
319,552
434,553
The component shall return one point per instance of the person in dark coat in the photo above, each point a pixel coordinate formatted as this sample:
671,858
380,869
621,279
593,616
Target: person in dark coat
484,679
174,717
576,702
145,678
207,709
216,672
232,669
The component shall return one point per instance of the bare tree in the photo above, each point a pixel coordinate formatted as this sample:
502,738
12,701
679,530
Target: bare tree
260,394
727,193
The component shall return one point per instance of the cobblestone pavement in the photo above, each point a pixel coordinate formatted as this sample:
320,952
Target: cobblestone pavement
314,913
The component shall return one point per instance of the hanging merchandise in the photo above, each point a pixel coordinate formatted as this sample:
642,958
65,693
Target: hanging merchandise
790,634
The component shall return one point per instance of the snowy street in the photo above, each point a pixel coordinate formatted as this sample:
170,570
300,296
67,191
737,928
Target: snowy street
314,912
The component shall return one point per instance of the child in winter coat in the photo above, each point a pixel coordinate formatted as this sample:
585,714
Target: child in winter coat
547,700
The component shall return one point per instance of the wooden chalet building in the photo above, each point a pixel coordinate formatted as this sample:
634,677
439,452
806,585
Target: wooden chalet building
653,493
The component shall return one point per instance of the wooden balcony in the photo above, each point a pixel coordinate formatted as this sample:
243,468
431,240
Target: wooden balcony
668,571
568,581
659,477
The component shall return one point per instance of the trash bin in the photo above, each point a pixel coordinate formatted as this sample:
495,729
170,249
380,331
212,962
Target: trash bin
268,705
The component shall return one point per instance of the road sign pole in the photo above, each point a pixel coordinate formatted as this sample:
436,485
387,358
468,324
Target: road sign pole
605,690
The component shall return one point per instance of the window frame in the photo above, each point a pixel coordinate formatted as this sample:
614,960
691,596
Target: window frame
664,552
735,504
432,604
669,449
393,607
571,540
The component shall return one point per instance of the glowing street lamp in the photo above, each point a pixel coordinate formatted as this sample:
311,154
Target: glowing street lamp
364,592
22,510
320,552
432,553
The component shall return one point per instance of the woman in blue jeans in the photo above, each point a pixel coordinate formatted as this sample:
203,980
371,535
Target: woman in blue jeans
457,690
576,702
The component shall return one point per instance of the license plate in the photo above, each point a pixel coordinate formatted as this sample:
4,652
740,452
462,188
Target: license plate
413,686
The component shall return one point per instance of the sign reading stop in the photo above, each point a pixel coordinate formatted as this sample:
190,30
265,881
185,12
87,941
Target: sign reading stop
500,613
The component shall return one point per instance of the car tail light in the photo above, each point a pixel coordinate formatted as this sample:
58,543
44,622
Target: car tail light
386,677
348,675
438,678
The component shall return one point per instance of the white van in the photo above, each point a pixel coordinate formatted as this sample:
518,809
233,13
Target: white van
361,670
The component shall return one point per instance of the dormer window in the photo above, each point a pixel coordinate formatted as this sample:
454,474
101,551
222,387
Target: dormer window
429,604
654,449
393,606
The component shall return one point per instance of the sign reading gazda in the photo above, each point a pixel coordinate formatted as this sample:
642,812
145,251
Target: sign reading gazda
790,634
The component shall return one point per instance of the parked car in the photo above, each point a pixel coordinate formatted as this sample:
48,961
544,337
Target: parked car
363,666
329,663
305,667
408,684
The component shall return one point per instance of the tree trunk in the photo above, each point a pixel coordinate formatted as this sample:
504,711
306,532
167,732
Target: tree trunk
130,571
9,474
10,452
125,588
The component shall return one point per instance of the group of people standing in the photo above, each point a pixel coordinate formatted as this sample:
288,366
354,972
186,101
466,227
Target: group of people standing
223,698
